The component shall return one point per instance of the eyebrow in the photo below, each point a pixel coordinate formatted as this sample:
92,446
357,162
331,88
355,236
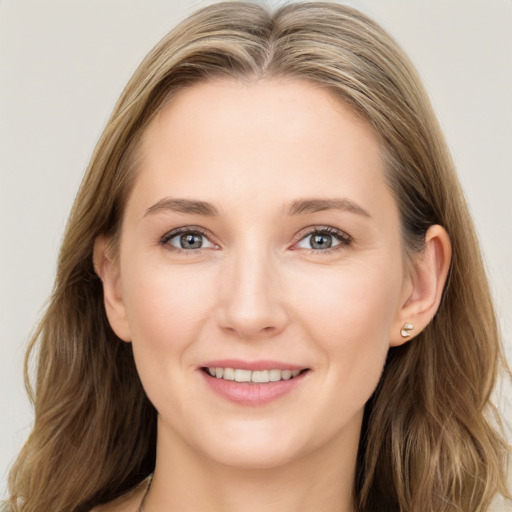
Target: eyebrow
183,206
298,207
303,206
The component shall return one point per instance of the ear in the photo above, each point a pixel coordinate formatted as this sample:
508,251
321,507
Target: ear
108,271
423,287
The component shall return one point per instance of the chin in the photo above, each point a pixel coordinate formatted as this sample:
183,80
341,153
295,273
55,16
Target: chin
259,446
255,456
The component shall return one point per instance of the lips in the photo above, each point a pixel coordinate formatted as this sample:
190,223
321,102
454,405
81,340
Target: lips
260,364
252,383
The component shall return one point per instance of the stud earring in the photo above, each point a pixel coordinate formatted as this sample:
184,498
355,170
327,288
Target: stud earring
405,330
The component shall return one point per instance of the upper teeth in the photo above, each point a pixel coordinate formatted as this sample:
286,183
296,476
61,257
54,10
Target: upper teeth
252,376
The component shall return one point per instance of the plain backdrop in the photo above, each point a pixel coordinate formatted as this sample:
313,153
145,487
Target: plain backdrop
63,64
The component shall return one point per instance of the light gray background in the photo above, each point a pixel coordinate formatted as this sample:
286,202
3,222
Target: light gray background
63,64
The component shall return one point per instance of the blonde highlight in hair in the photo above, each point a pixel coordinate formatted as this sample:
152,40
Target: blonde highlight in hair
429,439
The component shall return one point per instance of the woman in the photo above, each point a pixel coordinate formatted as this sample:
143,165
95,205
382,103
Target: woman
269,295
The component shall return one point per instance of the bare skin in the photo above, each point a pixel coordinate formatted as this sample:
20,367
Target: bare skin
261,227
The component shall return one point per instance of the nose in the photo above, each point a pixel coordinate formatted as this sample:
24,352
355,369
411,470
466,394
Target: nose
251,303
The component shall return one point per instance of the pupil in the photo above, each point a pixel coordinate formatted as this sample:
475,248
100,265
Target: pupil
191,241
321,241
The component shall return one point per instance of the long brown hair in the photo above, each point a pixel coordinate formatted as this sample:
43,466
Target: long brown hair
429,439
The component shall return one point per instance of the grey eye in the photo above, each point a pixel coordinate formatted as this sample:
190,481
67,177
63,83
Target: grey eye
188,240
319,241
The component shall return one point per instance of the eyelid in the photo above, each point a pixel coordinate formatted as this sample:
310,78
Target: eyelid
186,229
344,238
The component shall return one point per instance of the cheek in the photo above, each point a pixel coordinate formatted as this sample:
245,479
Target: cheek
166,310
349,314
356,300
166,307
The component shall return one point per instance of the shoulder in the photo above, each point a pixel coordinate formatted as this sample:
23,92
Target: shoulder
118,506
122,504
128,502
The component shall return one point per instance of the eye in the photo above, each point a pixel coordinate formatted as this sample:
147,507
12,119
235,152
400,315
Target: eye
322,239
187,239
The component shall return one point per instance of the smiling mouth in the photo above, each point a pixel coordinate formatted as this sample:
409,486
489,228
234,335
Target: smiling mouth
252,376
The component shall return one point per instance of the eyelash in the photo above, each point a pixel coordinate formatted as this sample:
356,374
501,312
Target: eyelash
192,230
343,239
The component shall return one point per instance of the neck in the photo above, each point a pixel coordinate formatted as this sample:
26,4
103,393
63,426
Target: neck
186,481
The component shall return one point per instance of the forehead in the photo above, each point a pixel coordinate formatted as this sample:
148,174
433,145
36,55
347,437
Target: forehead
227,139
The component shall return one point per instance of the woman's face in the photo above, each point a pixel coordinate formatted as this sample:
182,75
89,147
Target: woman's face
261,238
